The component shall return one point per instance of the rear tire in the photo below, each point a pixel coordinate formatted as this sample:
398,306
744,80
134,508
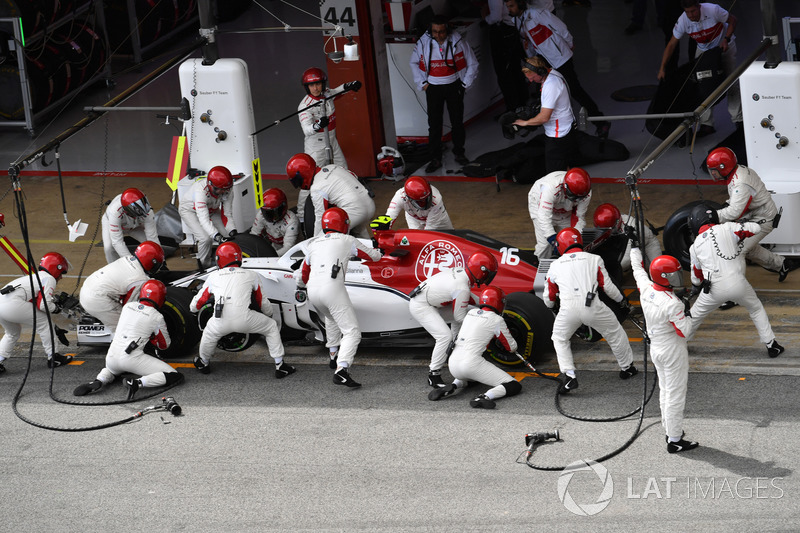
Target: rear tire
232,342
181,323
254,246
530,323
677,237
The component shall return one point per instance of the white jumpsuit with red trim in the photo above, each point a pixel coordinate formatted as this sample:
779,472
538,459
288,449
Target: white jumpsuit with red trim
17,309
236,288
570,278
105,291
337,186
141,324
205,215
717,255
282,234
750,201
551,210
329,295
314,142
433,218
467,363
117,224
667,328
448,288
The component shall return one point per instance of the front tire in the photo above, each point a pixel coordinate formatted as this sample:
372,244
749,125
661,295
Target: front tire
530,323
232,342
181,323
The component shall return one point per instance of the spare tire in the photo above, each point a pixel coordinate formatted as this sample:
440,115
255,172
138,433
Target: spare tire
677,236
181,323
253,245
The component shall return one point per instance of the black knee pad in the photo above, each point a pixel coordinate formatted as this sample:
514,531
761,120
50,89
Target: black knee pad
173,377
512,387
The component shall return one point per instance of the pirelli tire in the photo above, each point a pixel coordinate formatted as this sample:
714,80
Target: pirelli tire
233,342
530,323
181,323
253,245
677,237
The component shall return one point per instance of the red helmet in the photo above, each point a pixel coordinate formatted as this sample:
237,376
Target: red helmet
567,239
220,180
54,263
335,219
390,162
135,203
481,267
314,75
150,256
229,253
607,216
153,293
274,207
494,299
665,270
723,160
578,183
419,191
301,169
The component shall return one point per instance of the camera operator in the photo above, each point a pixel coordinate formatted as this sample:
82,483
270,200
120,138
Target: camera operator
555,114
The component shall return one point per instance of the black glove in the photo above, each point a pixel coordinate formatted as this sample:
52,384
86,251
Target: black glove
231,235
631,233
352,86
62,335
218,238
321,124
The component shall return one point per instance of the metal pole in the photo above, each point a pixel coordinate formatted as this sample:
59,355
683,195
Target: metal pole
38,153
208,29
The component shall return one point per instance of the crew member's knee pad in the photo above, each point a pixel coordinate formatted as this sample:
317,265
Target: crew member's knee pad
512,387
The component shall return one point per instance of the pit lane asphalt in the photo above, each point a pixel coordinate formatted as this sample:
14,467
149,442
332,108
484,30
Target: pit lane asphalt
252,453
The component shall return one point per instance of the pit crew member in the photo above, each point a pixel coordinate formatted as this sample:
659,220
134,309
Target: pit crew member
240,305
449,288
422,203
556,201
207,212
140,324
128,214
19,305
322,274
575,279
275,223
466,364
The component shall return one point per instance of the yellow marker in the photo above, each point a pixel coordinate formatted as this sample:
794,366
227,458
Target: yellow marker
14,254
178,162
742,379
181,365
257,185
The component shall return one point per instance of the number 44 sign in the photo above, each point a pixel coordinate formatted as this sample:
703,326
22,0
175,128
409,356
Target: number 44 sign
341,13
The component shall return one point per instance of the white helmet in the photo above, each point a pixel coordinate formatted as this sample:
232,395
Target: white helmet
390,163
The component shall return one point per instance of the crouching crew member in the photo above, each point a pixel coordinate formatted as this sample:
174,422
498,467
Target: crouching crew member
235,292
140,324
275,223
467,363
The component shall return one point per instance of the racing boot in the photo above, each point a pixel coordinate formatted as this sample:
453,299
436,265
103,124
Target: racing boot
87,388
628,372
435,379
788,265
442,392
132,385
204,368
570,384
342,377
58,360
681,446
284,369
482,401
774,349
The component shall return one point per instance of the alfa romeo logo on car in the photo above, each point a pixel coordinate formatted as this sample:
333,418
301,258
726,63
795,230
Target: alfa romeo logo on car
605,486
435,256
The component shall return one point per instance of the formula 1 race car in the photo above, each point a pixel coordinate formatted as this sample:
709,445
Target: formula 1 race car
378,290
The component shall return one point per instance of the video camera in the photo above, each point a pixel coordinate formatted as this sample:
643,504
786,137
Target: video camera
506,120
